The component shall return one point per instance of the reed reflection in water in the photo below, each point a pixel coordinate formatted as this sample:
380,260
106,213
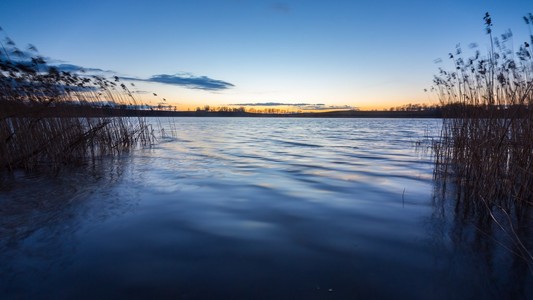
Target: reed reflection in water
256,208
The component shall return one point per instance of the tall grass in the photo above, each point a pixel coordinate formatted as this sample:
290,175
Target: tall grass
485,151
50,117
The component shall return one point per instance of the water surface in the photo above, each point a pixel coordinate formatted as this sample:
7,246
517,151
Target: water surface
247,208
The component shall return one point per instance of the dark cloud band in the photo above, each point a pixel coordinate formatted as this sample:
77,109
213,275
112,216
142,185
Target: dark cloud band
188,81
303,106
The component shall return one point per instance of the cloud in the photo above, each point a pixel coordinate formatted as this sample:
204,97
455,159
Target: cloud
270,104
141,92
76,68
302,106
46,89
42,64
31,60
280,7
327,107
187,80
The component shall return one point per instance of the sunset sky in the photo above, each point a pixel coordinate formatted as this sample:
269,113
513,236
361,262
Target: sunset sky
366,54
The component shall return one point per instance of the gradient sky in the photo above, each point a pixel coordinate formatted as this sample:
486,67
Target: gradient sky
367,54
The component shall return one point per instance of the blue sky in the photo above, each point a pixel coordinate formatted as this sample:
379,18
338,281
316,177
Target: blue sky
366,54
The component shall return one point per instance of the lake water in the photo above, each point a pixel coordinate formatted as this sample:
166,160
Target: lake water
251,208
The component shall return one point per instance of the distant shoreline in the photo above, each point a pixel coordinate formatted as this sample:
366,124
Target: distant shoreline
331,114
91,111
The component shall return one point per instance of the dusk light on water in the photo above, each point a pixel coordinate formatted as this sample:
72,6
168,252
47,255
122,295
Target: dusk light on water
266,150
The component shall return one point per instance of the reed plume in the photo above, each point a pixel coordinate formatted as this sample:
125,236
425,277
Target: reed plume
50,117
485,151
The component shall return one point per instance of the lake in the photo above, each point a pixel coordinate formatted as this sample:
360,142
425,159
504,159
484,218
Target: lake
252,208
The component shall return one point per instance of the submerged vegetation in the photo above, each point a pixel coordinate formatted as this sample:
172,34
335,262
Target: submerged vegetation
484,157
50,117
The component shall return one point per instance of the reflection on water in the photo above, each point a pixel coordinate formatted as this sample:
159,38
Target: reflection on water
248,208
493,243
40,215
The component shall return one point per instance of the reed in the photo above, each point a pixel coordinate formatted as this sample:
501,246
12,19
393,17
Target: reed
485,151
50,117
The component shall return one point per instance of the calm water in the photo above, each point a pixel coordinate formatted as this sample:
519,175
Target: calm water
237,208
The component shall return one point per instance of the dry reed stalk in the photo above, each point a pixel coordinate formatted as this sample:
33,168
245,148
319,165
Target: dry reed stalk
486,145
50,117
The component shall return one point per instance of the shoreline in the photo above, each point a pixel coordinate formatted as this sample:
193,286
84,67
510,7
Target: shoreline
110,112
